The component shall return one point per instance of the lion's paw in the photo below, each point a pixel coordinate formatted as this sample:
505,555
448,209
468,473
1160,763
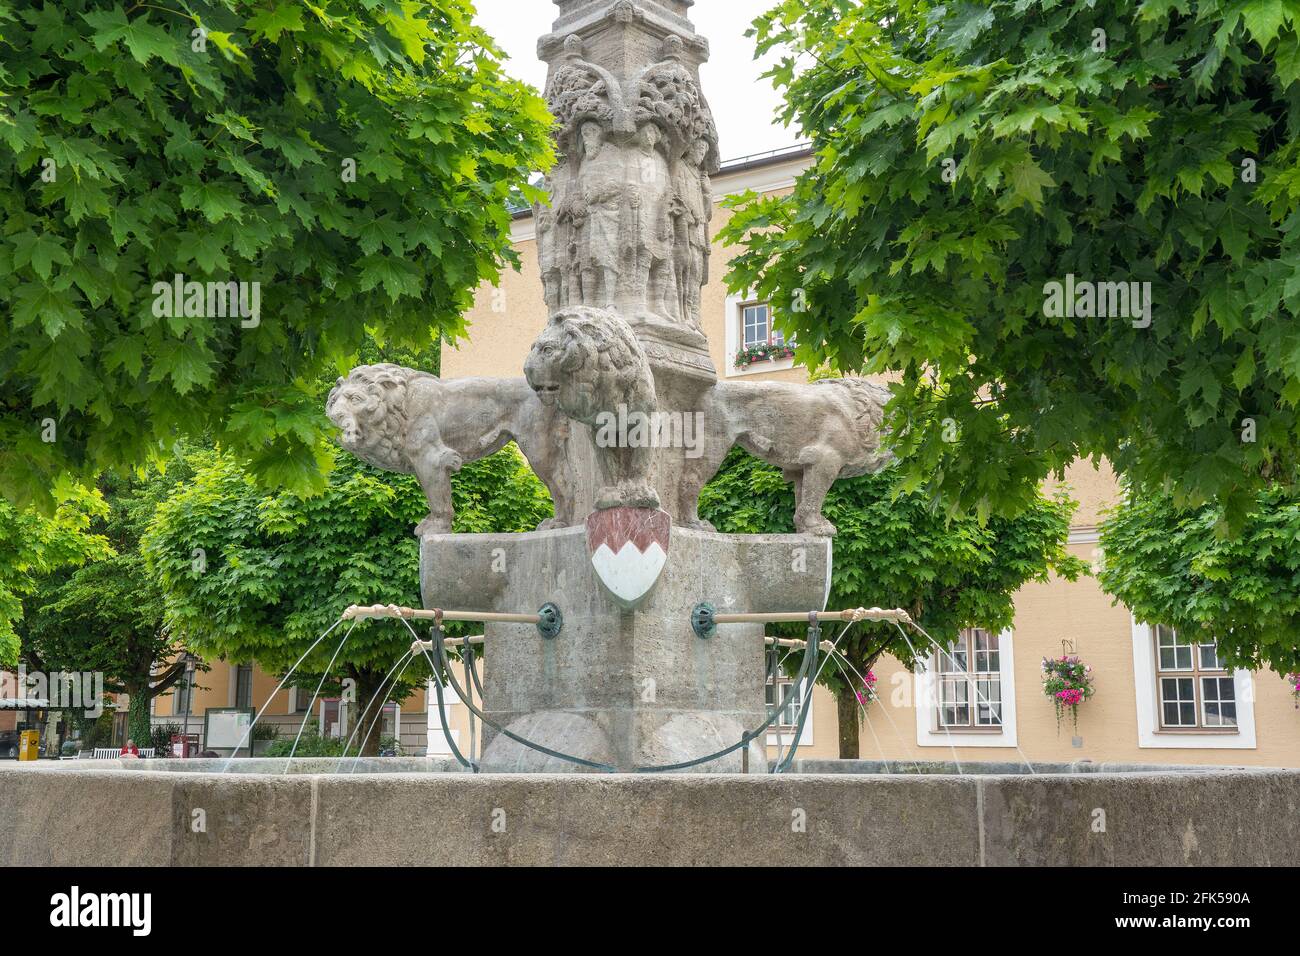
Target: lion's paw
816,525
434,524
698,524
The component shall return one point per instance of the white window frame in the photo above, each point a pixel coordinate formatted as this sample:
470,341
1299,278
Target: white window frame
1150,734
301,695
745,308
784,736
735,316
928,731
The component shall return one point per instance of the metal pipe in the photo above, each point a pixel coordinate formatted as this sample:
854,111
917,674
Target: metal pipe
793,642
800,617
436,614
421,646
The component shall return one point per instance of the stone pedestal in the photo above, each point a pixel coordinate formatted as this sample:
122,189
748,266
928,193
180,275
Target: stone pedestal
624,688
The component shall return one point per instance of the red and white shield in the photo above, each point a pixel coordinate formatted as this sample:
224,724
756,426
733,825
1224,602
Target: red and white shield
628,549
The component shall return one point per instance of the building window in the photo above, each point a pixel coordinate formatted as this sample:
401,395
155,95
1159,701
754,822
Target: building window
752,342
970,682
1195,689
777,692
244,686
756,326
183,696
302,700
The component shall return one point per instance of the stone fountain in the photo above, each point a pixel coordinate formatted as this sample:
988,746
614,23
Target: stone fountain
623,417
627,682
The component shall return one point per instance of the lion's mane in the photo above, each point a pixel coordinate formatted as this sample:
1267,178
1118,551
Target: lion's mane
382,420
598,363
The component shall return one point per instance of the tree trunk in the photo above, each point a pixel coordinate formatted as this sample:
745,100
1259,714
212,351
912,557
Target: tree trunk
847,708
137,724
365,741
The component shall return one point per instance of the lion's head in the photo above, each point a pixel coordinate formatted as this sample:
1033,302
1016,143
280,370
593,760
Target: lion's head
369,406
588,360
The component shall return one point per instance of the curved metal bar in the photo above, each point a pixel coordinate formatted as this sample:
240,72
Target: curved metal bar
467,654
488,722
442,666
810,655
442,708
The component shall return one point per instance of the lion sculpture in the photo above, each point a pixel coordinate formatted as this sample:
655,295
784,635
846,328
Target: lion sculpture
588,363
814,433
411,422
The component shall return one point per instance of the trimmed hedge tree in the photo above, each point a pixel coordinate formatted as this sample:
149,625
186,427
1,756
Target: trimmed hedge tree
1177,567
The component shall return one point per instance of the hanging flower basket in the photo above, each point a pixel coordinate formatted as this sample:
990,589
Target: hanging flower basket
1067,683
1294,681
867,693
762,353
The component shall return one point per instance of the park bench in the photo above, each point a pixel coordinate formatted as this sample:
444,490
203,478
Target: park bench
112,753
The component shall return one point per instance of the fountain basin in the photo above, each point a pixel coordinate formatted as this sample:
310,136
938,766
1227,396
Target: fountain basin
70,814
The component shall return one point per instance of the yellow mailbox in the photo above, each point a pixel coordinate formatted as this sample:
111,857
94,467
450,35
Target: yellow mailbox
29,744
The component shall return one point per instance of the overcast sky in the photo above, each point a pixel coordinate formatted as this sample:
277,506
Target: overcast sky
743,105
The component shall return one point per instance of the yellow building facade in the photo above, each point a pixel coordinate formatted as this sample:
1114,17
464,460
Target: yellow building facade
1158,699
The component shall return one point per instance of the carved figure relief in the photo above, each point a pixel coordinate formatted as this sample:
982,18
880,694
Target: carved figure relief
631,203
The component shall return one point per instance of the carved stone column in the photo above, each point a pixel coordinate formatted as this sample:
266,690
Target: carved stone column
628,224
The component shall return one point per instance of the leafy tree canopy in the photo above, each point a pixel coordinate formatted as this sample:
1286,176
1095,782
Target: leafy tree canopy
968,154
257,575
33,546
353,159
898,552
107,615
1174,567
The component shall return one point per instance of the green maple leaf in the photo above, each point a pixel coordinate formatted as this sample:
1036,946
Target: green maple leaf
42,251
215,201
381,232
205,249
1234,234
126,353
1028,180
54,309
185,362
397,276
271,23
1244,373
1264,18
293,148
143,39
18,130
